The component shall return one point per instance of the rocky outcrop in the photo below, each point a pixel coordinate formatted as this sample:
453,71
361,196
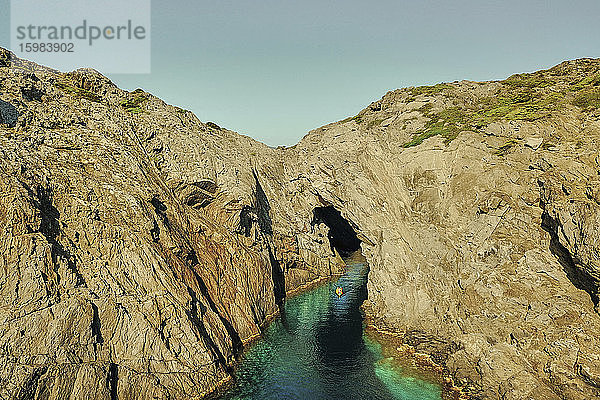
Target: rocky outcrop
143,248
140,248
571,204
480,202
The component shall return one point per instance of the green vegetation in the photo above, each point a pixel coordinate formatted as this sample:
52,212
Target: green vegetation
418,139
535,80
521,97
448,123
430,90
588,99
521,105
134,105
77,92
524,97
587,91
593,80
374,123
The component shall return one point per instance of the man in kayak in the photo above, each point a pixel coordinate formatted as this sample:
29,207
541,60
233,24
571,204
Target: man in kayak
339,291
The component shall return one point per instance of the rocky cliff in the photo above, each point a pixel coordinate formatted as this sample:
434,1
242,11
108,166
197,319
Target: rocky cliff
480,202
142,248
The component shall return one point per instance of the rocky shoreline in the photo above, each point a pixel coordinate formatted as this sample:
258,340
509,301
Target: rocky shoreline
143,248
397,347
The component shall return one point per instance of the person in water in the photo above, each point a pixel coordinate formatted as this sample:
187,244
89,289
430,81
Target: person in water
339,291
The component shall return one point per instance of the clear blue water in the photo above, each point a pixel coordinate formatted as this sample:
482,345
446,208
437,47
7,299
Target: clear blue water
317,349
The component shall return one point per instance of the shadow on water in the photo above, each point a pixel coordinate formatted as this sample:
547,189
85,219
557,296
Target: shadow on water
317,350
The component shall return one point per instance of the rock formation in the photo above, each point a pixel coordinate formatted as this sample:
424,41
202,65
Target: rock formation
143,248
140,247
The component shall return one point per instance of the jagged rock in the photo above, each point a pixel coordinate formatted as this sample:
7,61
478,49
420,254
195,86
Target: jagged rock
142,248
464,252
534,142
572,219
124,274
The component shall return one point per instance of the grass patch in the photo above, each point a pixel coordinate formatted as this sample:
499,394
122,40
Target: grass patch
430,90
535,80
77,92
519,103
521,97
588,99
587,92
590,81
419,138
524,105
448,123
134,105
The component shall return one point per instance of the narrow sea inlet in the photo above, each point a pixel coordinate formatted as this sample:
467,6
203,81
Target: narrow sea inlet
318,349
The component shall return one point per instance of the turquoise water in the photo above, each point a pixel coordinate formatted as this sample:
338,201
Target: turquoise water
317,349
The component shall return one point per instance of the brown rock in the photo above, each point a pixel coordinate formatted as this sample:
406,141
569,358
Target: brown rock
141,248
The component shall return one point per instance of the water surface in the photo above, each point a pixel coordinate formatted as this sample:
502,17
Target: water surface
317,349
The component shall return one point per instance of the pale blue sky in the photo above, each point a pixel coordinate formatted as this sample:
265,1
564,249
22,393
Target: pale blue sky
276,69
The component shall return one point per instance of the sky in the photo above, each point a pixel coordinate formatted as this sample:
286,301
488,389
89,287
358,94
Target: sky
276,69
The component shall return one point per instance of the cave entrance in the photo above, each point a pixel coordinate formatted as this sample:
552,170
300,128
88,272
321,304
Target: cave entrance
342,236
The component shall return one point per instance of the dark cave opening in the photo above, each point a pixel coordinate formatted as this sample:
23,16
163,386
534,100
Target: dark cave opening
342,236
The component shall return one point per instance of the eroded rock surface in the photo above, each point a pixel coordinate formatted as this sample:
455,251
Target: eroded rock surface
485,228
142,248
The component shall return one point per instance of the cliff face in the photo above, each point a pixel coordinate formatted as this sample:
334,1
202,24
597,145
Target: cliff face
481,202
141,248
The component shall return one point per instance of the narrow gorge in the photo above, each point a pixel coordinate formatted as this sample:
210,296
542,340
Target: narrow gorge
143,250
